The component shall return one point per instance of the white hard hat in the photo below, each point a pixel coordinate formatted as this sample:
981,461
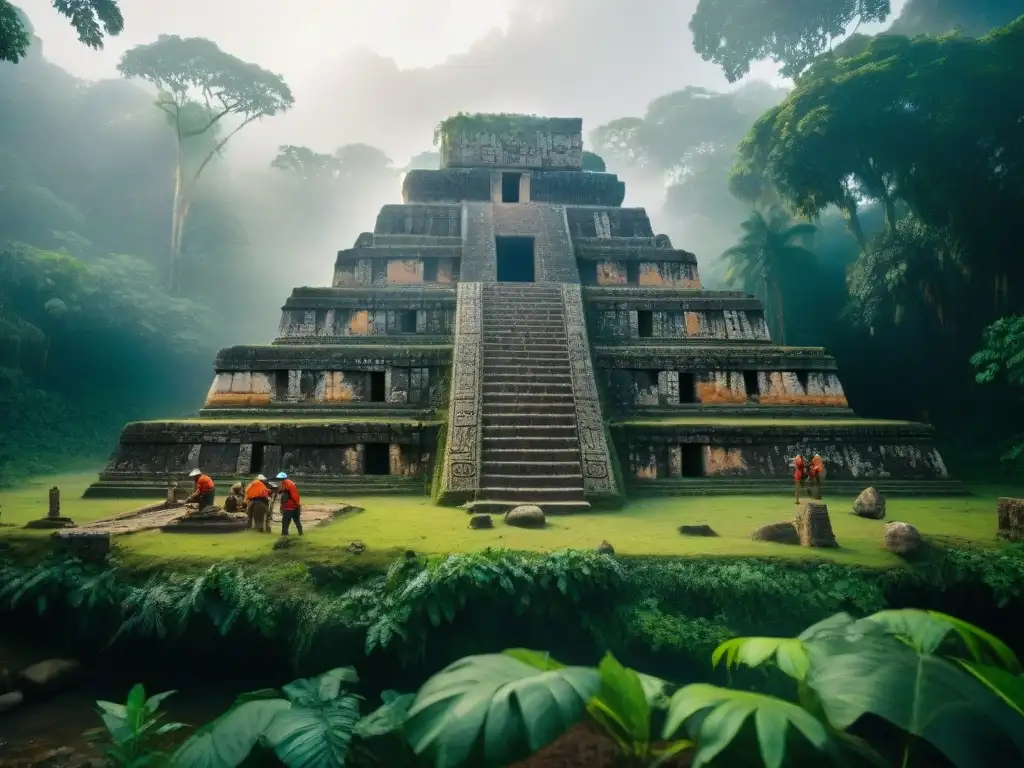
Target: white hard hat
194,473
282,476
261,477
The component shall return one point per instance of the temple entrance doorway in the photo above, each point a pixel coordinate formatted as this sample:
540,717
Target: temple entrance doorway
515,259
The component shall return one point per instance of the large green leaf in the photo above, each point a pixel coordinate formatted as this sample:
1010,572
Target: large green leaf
729,710
926,695
312,690
497,708
621,706
1006,685
311,737
387,718
229,739
927,630
788,653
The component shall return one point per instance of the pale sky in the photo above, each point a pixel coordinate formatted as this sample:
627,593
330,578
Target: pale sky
387,71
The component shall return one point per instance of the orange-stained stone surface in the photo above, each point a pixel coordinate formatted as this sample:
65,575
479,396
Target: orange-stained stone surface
337,389
404,271
238,398
714,392
723,460
611,273
359,323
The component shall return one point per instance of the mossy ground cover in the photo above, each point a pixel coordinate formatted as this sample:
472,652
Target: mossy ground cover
391,524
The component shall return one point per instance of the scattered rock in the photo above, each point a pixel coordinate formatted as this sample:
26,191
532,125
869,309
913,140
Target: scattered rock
10,700
870,504
901,538
781,533
697,530
49,674
604,548
1011,518
283,542
357,547
814,525
526,516
481,521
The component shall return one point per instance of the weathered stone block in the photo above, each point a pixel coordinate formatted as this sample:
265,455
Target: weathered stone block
901,538
526,516
870,503
697,530
480,522
1010,512
783,532
814,526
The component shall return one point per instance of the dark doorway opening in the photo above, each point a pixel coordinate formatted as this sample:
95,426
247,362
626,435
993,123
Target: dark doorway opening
510,187
376,459
515,259
280,385
378,387
687,388
632,273
256,459
307,385
430,270
751,384
692,460
802,377
407,321
645,324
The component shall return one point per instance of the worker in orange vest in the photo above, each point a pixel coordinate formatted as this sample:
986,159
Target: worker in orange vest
257,496
817,472
290,506
799,470
202,491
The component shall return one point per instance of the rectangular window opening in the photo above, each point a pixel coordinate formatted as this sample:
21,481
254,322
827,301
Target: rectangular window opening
378,387
632,273
307,384
376,459
751,384
510,187
407,321
692,460
515,259
430,270
645,323
256,460
687,388
280,385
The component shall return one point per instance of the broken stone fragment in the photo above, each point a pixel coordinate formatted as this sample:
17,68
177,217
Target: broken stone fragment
901,538
1011,518
480,522
870,504
783,532
604,548
697,530
526,516
48,675
10,700
814,525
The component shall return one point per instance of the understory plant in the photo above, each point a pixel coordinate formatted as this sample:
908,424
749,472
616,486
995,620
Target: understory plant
132,735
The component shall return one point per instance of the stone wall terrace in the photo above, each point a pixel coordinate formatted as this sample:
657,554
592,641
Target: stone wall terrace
705,357
544,143
603,222
416,219
353,357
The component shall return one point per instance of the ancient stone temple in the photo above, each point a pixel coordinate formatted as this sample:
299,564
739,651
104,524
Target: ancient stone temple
511,334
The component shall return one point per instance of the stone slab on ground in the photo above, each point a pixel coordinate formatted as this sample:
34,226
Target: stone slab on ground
1011,518
814,526
782,532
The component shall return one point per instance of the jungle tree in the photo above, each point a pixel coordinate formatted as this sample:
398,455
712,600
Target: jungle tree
199,87
92,19
772,245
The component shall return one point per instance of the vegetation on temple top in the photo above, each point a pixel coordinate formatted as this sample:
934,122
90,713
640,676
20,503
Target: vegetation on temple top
92,19
501,124
593,162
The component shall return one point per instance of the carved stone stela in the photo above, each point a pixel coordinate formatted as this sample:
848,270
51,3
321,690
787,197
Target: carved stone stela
462,453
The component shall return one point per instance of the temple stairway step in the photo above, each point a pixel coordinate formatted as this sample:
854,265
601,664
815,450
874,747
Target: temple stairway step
500,506
539,440
529,455
497,398
538,376
524,366
524,350
524,495
525,387
527,418
528,407
532,468
529,430
552,482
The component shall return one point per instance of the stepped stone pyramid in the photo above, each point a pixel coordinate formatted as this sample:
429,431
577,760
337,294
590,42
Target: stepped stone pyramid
511,334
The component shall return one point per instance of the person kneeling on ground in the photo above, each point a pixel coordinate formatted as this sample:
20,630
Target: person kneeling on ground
203,490
290,508
257,494
235,502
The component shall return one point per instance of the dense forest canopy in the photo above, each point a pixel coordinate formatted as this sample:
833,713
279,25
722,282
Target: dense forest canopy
871,206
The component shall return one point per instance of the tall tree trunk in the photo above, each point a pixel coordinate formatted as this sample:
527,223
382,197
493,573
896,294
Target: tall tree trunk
780,320
179,185
853,224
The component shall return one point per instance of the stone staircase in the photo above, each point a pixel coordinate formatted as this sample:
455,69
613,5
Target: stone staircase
530,451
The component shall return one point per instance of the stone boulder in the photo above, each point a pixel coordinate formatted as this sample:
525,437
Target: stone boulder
697,530
870,504
1011,518
479,522
526,516
10,700
357,547
814,525
49,675
901,538
604,548
783,532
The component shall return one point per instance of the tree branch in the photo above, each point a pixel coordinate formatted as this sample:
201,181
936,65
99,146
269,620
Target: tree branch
216,150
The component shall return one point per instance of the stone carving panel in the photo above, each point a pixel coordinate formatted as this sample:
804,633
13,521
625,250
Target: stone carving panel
461,473
595,457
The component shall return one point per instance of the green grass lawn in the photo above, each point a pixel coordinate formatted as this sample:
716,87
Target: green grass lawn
755,421
391,524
